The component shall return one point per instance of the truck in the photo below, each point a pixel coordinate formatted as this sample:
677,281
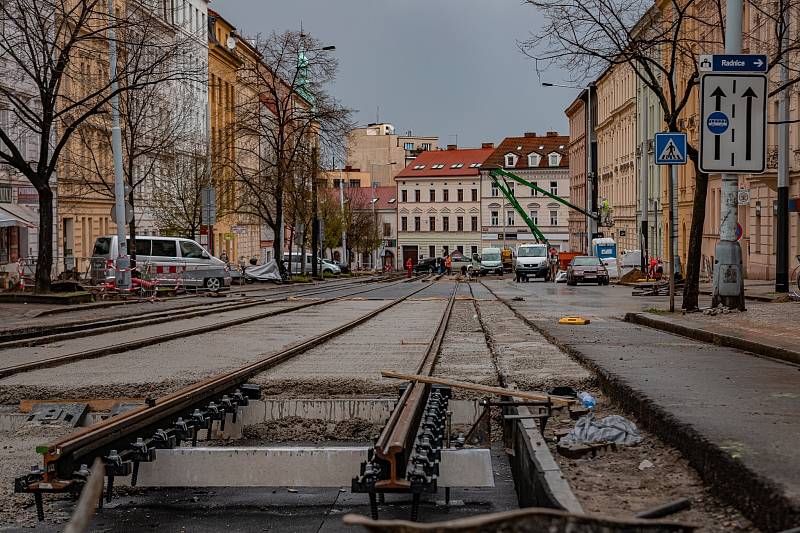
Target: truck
532,261
491,261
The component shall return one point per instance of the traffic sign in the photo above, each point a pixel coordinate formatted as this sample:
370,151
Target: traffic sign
733,113
733,63
743,196
739,231
670,148
128,213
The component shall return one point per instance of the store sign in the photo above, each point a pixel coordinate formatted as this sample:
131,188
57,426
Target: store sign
27,195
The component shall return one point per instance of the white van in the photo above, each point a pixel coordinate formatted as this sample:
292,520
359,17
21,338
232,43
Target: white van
169,260
532,262
491,261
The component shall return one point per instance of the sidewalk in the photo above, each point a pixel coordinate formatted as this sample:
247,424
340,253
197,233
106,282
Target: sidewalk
733,415
767,329
754,290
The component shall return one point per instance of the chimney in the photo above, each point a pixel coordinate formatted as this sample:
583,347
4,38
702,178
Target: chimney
487,145
552,134
529,134
452,147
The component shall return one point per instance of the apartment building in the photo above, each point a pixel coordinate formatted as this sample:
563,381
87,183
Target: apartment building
576,115
439,203
379,150
543,160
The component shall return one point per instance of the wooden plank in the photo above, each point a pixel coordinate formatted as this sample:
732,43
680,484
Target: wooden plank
95,404
498,391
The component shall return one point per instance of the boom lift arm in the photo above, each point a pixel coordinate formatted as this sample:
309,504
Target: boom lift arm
500,176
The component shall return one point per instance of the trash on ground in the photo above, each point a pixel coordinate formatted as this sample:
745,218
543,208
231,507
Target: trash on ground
587,400
614,428
645,465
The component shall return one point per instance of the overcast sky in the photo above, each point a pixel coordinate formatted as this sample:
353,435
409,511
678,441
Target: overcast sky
436,67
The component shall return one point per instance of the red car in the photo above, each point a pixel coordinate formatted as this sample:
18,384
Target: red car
587,268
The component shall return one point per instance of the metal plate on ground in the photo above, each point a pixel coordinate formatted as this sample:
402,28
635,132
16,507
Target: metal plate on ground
58,414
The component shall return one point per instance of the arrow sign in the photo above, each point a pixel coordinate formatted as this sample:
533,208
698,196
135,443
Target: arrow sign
733,63
748,143
729,141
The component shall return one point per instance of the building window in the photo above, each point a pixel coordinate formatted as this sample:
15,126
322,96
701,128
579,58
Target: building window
445,223
554,217
474,195
555,159
474,224
460,249
510,217
474,250
510,160
387,229
495,191
404,195
432,223
460,195
425,146
534,217
432,195
417,224
495,218
554,187
534,159
445,251
417,195
459,223
431,251
408,146
534,191
446,195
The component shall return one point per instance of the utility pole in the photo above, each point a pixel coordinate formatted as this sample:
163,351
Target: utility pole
315,271
644,172
728,252
345,261
673,241
123,272
591,206
782,252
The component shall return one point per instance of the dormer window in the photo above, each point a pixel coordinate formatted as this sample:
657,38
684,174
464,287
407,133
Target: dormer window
555,159
511,160
534,159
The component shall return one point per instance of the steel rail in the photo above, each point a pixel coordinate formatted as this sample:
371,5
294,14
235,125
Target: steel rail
395,441
151,341
36,337
62,456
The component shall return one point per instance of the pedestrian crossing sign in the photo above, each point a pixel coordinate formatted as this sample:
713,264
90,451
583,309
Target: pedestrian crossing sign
670,149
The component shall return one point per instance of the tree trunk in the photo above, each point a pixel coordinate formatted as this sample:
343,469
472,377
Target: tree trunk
691,289
303,251
44,263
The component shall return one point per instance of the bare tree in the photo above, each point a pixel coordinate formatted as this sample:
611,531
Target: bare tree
57,80
176,199
294,111
661,45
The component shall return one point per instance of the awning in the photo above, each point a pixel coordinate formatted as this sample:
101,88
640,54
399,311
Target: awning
18,215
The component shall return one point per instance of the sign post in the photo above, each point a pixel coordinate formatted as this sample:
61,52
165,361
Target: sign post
733,114
671,150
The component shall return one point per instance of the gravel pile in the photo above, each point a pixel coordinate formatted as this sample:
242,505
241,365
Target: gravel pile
296,428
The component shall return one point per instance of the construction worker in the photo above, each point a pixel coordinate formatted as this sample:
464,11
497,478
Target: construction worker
409,267
448,265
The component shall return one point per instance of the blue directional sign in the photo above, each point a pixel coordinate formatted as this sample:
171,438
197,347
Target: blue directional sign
717,122
671,149
733,63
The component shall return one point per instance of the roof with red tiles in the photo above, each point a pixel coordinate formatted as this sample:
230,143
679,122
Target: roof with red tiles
446,163
530,143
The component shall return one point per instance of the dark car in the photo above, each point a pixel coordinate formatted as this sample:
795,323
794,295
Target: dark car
588,269
429,264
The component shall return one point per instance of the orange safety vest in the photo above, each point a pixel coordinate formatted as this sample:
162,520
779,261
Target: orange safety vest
448,262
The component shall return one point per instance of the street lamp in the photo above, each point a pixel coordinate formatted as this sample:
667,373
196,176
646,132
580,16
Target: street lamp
590,173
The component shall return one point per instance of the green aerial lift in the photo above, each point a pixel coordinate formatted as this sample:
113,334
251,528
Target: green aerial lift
500,178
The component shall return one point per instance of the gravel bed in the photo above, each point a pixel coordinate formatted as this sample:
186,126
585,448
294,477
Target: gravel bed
613,482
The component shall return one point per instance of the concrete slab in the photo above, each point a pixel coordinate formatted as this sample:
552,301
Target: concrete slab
292,467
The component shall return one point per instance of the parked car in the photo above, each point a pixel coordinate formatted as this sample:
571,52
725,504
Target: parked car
532,261
460,262
326,263
296,267
429,264
491,261
344,268
587,268
168,260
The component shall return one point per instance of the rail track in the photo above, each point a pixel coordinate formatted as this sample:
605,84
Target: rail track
45,335
126,440
116,348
